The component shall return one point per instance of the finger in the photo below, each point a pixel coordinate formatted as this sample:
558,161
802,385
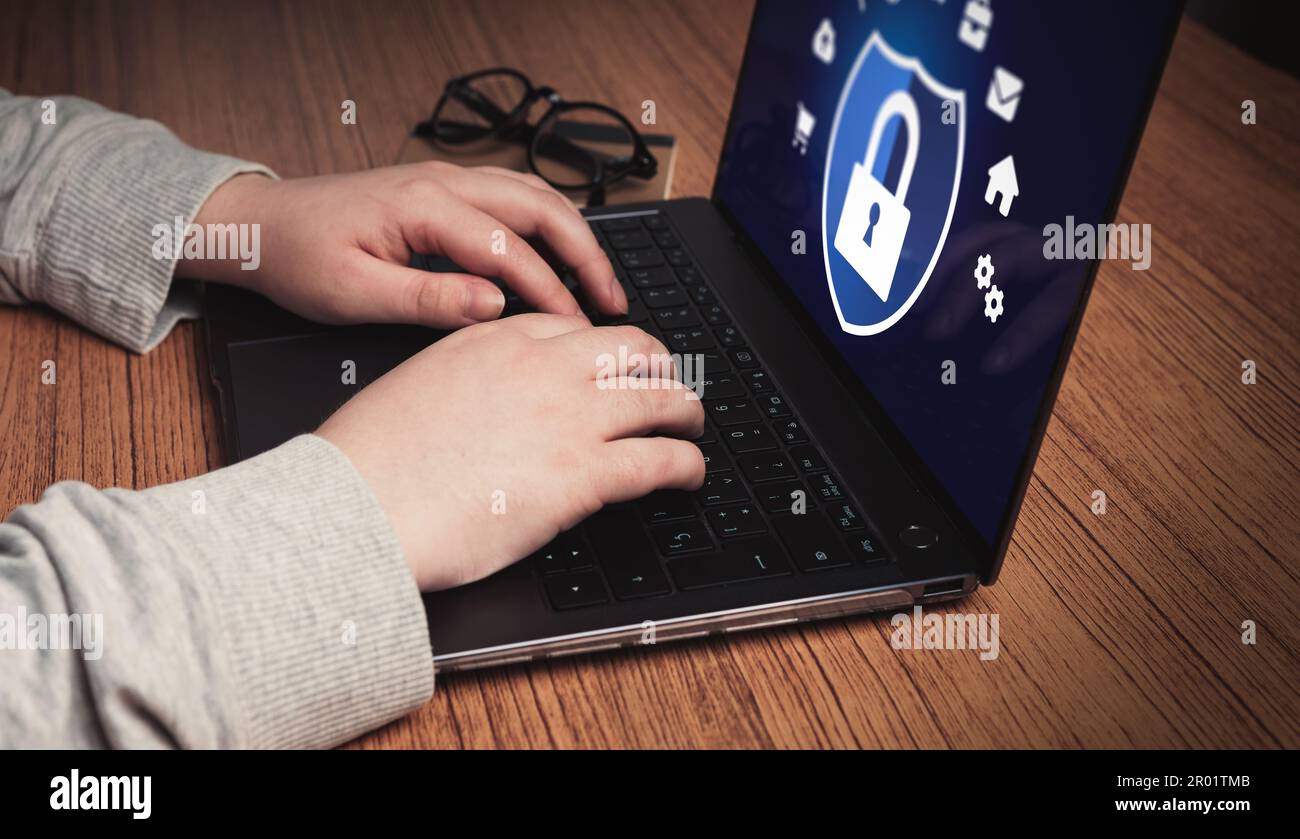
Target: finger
629,469
613,351
541,326
436,221
635,407
391,293
544,212
530,179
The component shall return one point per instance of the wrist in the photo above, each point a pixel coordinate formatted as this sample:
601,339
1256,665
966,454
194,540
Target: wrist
232,216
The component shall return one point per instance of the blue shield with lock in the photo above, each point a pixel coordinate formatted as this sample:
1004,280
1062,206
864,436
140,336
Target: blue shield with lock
890,187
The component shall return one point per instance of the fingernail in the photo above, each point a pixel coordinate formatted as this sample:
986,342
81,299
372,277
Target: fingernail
617,294
484,303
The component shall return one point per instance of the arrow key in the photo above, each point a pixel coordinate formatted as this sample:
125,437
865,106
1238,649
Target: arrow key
572,591
567,552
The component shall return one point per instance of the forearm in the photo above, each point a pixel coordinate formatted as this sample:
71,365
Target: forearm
80,198
266,604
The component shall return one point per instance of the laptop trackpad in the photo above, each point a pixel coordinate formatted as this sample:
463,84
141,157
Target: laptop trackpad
283,387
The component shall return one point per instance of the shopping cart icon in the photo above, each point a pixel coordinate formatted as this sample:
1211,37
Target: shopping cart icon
803,128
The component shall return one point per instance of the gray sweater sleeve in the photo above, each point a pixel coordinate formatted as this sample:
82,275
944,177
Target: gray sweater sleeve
266,604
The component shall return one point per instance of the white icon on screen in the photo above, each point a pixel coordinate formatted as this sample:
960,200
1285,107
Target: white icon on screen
974,28
874,220
804,122
1004,93
823,45
1002,179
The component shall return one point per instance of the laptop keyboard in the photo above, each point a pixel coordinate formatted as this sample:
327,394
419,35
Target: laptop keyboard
741,525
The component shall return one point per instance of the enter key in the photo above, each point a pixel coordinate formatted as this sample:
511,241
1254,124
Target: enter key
739,560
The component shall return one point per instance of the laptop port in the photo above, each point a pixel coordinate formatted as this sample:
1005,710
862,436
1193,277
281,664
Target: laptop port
943,587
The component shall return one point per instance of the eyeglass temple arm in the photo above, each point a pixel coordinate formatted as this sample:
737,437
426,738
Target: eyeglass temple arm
473,100
557,148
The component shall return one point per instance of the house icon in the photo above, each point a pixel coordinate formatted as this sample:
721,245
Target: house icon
1002,179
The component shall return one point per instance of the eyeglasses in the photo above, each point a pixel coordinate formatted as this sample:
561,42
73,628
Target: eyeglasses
575,146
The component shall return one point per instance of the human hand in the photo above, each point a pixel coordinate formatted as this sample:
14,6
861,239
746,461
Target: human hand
335,249
508,416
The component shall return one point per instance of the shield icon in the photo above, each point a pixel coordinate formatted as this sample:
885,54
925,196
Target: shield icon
892,169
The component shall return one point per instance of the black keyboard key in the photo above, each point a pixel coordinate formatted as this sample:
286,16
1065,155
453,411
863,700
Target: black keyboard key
773,406
716,458
702,296
614,225
846,517
662,298
655,222
677,257
636,313
740,560
722,387
740,520
790,432
629,562
811,542
715,315
683,537
667,239
725,488
690,340
808,459
623,240
715,362
748,438
651,277
772,466
731,411
744,359
865,546
647,258
826,487
781,498
729,336
573,591
689,275
667,505
758,381
566,552
682,318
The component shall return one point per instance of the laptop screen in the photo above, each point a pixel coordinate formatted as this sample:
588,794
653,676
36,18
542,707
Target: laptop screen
931,180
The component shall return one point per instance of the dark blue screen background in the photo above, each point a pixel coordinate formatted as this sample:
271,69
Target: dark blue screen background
1087,70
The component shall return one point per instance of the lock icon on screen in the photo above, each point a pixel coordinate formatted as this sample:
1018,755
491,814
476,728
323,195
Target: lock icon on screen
873,220
975,23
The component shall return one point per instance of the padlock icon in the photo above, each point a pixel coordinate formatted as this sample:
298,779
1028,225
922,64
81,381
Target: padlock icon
974,27
873,220
823,44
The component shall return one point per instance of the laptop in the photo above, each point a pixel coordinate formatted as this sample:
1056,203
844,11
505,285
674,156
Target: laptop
871,292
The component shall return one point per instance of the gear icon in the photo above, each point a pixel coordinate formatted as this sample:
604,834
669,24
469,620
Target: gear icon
984,271
993,304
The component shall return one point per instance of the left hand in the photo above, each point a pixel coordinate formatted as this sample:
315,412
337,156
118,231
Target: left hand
335,249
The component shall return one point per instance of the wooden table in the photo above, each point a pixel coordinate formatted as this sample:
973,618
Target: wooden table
1117,630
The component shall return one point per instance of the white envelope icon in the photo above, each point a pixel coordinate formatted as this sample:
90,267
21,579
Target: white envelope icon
1004,93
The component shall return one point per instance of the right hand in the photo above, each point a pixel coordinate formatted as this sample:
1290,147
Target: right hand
510,412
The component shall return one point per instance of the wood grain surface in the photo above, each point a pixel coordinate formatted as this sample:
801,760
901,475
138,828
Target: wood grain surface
1116,630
